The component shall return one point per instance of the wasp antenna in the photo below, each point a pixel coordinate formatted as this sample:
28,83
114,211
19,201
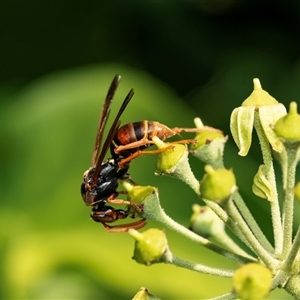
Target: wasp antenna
104,116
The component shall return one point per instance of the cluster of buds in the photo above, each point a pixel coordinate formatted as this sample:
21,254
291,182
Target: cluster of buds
267,265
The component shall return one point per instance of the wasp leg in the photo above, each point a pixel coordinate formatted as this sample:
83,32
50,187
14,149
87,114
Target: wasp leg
131,181
182,129
123,162
133,145
108,214
125,227
125,202
189,141
112,200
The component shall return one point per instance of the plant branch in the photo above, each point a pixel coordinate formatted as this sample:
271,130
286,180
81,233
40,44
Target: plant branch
270,174
257,248
153,211
288,204
180,262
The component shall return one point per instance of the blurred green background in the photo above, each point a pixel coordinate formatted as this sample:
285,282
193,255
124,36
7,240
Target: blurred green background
184,59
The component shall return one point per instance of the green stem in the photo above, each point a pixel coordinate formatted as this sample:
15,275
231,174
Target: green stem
293,286
180,262
288,204
288,264
256,246
228,296
279,279
225,240
233,226
270,174
252,224
153,211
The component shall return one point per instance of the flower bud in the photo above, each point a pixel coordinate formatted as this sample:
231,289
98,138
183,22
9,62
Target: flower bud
144,294
168,160
288,126
217,185
209,145
174,162
252,281
259,97
205,222
137,195
151,246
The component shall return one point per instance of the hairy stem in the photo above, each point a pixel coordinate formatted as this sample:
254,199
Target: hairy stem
270,174
288,204
180,262
153,211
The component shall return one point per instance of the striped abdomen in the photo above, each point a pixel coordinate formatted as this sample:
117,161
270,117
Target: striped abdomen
139,131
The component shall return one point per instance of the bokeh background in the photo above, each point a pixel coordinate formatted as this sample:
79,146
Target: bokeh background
184,59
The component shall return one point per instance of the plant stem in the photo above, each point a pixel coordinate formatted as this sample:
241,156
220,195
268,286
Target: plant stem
228,296
224,240
256,246
288,264
270,174
288,204
233,226
180,262
252,224
153,211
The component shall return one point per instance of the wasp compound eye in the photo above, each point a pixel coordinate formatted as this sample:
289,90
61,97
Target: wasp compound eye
83,190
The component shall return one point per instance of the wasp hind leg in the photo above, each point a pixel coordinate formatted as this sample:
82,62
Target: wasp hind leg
125,161
125,227
108,214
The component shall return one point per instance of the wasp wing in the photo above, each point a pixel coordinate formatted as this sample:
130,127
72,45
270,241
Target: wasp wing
112,132
104,117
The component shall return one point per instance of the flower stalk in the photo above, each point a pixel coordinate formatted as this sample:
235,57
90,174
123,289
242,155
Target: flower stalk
270,175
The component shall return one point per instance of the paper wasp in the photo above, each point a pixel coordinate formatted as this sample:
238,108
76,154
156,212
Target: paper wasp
100,181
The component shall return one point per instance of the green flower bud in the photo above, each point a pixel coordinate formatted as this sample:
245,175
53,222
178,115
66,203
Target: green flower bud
261,186
144,294
252,281
297,191
209,145
266,109
174,162
205,222
167,160
217,185
151,246
205,134
206,137
259,97
288,126
138,195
